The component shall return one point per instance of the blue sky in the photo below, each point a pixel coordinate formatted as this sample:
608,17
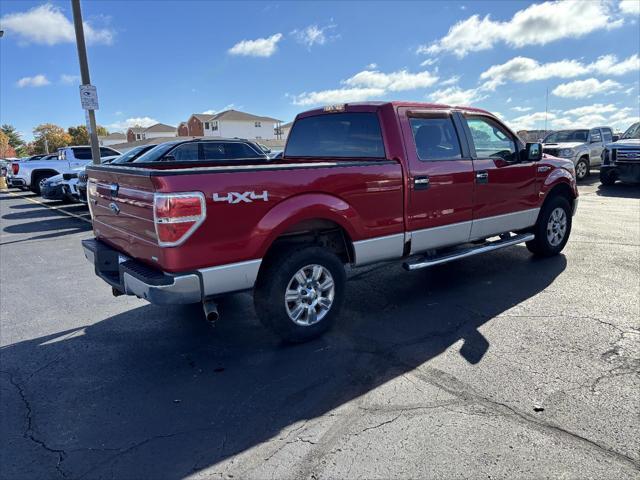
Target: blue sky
162,61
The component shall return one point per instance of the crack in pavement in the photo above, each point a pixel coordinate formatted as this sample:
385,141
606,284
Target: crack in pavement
29,433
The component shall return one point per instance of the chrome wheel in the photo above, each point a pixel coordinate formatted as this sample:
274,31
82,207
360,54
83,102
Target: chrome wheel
556,227
42,182
581,169
309,295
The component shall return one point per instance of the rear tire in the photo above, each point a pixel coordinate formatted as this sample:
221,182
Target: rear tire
37,181
583,169
552,229
299,293
607,177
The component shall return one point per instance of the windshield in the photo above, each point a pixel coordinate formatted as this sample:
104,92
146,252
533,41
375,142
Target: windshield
567,136
155,153
632,132
133,153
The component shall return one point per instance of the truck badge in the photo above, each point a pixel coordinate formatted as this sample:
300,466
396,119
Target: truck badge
238,197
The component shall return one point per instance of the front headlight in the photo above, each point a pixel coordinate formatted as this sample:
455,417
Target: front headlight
566,152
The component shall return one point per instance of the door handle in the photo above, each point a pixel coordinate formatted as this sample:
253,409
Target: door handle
482,176
421,183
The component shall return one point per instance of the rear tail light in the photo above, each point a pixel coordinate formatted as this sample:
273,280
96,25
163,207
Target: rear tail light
15,168
177,215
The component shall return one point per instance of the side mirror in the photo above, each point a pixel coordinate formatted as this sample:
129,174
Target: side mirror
169,158
533,152
616,138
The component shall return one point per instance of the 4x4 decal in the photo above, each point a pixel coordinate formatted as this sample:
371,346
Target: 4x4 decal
238,197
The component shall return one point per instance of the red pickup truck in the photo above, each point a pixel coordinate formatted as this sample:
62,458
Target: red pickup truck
358,183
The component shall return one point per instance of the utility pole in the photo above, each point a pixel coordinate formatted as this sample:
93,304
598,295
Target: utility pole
86,79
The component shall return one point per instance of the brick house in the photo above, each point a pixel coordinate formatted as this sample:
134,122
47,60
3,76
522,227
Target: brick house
196,124
135,133
183,129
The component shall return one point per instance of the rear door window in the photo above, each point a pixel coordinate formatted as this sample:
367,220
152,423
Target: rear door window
187,152
228,151
336,135
82,153
607,135
435,138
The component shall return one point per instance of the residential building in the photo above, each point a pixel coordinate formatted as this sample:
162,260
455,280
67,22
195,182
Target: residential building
112,139
135,133
282,131
232,123
183,129
160,130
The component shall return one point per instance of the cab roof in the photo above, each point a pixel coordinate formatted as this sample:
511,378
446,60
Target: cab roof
374,106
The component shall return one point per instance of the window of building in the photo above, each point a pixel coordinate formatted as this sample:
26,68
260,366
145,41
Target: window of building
258,124
206,125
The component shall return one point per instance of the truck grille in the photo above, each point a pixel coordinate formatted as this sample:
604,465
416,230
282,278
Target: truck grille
627,155
551,151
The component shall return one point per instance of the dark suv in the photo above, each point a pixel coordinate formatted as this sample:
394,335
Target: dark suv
204,150
621,159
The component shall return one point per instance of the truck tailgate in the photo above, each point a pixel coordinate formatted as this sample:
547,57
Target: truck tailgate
122,209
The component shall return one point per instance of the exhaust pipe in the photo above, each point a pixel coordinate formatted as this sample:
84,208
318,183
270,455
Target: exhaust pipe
210,311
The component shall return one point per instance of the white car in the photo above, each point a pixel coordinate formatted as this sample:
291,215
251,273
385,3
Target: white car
34,173
62,187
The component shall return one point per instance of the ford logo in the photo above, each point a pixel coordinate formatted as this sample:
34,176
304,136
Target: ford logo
114,208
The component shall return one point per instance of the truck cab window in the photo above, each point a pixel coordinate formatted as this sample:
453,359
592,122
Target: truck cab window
595,136
435,138
491,140
336,135
82,153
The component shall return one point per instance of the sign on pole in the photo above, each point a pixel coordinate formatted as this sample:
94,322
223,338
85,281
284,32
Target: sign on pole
89,97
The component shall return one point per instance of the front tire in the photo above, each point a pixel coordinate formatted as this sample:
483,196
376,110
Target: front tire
38,182
607,177
552,229
583,168
299,293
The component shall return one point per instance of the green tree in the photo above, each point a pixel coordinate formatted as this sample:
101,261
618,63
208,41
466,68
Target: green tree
80,134
53,135
15,140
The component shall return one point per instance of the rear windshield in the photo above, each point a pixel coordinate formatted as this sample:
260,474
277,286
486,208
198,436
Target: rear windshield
336,135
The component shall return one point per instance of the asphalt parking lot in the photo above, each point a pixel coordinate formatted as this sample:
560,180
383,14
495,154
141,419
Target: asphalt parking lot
499,366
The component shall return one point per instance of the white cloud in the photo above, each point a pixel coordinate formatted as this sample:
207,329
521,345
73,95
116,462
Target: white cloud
630,6
596,108
450,81
339,95
522,109
314,35
69,79
457,96
371,66
538,24
523,69
260,47
132,122
509,100
428,62
394,82
35,81
47,25
585,88
531,121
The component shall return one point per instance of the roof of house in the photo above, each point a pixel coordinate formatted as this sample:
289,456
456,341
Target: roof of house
203,117
286,125
136,129
161,127
240,116
114,136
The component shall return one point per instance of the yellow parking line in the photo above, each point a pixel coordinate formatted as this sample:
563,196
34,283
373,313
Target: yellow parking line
80,217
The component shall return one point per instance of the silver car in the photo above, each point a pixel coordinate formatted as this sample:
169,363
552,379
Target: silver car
582,146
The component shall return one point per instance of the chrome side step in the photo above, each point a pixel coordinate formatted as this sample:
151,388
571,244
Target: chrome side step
468,252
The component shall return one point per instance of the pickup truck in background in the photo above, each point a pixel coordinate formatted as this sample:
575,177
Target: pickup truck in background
621,159
34,174
416,183
583,147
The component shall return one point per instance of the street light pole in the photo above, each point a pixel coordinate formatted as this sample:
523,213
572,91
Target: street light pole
86,79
